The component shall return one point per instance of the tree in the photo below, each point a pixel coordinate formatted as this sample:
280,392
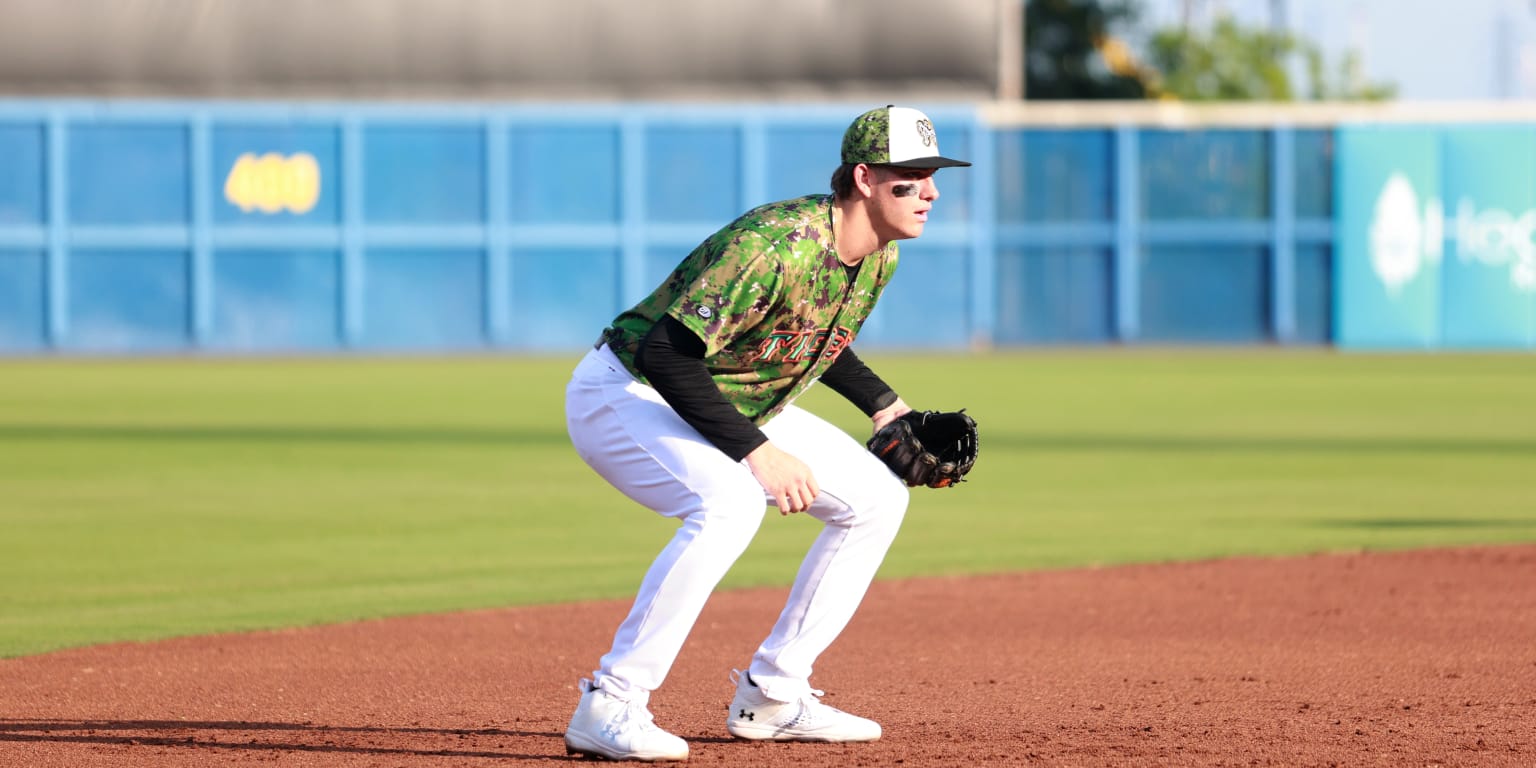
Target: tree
1069,52
1230,62
1347,82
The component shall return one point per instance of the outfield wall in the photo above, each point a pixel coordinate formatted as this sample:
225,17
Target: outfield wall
254,227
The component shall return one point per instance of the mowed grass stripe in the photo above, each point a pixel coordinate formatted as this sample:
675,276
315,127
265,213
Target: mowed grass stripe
141,499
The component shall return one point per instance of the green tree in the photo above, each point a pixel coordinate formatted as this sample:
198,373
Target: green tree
1069,52
1344,83
1230,62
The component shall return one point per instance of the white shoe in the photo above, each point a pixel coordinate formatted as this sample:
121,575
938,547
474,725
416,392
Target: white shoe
755,716
618,729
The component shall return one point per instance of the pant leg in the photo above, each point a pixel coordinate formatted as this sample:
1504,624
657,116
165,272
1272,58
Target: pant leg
861,505
628,434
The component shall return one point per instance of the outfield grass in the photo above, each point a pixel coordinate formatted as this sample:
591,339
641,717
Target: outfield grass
148,498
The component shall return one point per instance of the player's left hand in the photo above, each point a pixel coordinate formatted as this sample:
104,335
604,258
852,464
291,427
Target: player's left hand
931,448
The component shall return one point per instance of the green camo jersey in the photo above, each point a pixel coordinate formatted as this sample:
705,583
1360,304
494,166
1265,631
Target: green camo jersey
770,299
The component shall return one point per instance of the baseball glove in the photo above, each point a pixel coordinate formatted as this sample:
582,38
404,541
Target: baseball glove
932,448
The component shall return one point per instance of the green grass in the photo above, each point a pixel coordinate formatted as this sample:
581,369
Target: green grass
148,498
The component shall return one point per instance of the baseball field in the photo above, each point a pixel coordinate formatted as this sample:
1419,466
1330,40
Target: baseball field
345,527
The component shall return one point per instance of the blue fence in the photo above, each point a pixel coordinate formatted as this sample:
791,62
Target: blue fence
248,227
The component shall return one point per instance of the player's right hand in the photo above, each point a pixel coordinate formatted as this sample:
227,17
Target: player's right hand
788,480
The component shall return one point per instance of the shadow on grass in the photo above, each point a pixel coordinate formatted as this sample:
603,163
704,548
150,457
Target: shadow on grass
215,433
1420,523
1227,444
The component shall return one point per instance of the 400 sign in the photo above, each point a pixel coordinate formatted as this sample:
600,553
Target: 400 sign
273,183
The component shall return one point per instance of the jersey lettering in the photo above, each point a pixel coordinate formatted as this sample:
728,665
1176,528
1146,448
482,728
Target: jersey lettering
799,346
808,341
841,337
774,343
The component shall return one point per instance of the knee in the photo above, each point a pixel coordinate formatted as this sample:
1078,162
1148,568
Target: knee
878,507
890,500
730,520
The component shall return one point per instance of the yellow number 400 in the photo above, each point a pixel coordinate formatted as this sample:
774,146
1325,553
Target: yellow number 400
271,183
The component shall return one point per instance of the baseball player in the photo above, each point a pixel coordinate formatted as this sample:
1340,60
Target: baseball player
686,405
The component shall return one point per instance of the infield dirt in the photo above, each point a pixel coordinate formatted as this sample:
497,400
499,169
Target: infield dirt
1423,658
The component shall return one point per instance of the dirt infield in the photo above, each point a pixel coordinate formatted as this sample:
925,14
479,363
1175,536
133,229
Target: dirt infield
1403,659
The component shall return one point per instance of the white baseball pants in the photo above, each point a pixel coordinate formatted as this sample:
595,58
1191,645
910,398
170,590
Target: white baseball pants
625,431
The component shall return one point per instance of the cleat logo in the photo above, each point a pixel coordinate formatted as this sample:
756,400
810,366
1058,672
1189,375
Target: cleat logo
745,715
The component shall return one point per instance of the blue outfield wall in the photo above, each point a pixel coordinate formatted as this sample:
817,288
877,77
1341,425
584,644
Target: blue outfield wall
154,227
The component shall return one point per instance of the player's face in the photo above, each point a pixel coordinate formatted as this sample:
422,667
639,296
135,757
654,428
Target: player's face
901,201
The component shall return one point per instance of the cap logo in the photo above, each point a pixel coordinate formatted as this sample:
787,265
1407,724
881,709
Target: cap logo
925,130
706,312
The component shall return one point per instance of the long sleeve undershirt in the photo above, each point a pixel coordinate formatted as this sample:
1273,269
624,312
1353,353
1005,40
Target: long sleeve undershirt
672,359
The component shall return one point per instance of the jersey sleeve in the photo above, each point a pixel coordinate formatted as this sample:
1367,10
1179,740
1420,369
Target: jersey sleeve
850,377
737,286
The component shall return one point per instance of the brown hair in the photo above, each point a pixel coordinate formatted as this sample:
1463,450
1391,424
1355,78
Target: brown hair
842,181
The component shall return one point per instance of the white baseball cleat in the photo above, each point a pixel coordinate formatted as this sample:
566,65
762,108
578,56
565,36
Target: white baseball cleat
609,727
757,717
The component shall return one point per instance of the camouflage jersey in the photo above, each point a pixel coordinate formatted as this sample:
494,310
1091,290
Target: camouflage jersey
770,299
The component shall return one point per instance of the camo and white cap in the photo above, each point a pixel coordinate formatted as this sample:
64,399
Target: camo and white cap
892,135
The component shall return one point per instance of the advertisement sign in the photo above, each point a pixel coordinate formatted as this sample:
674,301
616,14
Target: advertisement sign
1388,237
1490,255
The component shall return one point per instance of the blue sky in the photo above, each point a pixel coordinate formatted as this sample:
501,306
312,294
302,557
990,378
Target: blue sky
1434,50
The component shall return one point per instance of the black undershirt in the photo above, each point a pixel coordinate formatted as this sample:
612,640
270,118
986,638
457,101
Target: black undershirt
672,359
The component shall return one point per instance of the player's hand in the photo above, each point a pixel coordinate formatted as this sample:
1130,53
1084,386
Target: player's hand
787,479
889,414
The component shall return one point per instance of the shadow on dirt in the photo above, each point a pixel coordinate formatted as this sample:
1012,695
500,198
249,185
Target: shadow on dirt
238,735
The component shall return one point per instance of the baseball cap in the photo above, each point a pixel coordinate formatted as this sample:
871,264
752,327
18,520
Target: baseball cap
893,135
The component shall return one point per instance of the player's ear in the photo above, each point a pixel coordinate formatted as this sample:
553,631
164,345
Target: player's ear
864,179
